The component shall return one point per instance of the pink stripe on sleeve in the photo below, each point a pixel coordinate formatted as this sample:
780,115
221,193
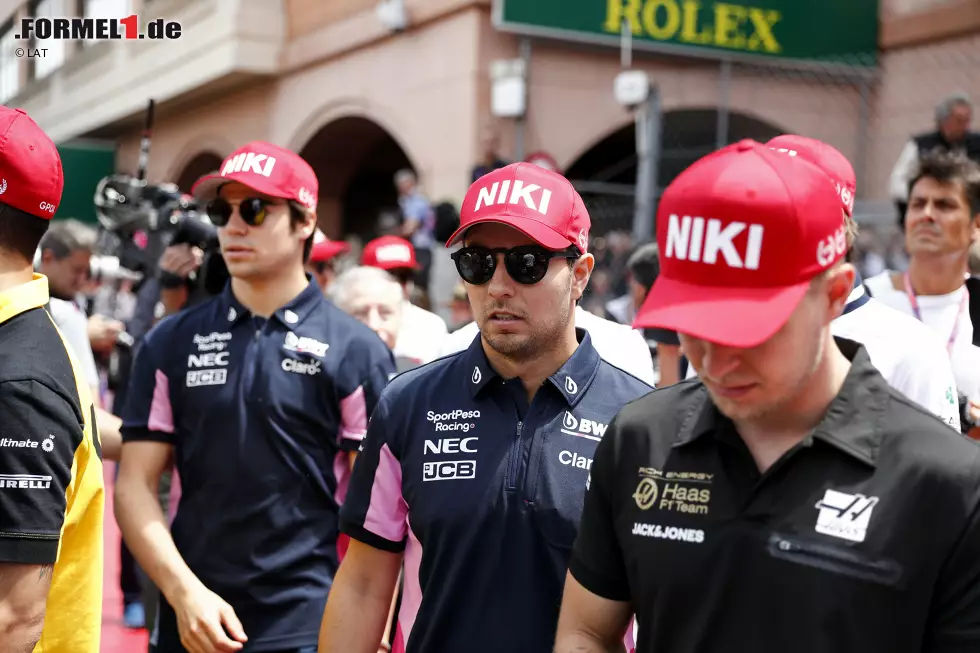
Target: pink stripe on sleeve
412,592
353,416
161,414
387,513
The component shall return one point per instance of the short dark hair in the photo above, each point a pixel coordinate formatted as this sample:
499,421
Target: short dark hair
297,216
65,237
949,167
644,265
21,232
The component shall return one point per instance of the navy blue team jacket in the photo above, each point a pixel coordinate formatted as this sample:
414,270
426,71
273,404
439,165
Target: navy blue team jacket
262,415
483,493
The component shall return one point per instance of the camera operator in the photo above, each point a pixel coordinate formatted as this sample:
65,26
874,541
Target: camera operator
65,252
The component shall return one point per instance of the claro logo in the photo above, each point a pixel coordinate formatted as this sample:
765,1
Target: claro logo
453,420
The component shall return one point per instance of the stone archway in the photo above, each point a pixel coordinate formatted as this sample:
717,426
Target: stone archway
355,160
201,164
605,172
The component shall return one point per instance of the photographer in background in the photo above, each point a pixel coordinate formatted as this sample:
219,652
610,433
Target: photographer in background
65,252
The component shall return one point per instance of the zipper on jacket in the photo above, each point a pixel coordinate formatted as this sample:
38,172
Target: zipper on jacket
837,560
515,456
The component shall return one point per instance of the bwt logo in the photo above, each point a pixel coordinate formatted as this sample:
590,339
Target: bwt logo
498,194
688,240
250,162
451,421
582,428
210,359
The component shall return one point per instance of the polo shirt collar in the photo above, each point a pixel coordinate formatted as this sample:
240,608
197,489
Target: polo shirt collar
571,380
858,297
22,298
852,423
290,315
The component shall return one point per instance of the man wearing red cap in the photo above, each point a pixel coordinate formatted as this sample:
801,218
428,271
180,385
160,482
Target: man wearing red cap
786,500
261,395
323,257
52,495
907,354
474,466
422,332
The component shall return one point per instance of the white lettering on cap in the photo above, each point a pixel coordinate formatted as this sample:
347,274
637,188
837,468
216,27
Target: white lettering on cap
250,162
497,194
687,240
834,245
393,252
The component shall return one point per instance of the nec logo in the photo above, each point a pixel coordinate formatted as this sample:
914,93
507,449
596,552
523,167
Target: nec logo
210,359
520,192
250,162
688,240
451,445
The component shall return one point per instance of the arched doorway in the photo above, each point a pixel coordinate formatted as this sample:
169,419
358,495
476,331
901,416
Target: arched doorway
606,173
202,164
355,160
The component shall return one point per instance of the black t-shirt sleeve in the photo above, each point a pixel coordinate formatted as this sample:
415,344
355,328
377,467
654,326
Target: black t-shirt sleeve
40,429
363,375
955,619
597,559
374,510
148,413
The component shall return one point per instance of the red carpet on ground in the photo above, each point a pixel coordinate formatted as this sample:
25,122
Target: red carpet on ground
116,638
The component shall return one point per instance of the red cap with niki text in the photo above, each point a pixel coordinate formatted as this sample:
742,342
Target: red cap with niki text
389,253
827,158
31,177
267,168
539,203
742,233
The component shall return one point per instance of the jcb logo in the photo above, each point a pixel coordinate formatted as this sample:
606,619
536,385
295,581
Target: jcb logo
688,240
210,359
260,164
451,469
501,193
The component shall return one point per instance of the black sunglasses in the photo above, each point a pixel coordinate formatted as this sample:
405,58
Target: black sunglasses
254,211
527,264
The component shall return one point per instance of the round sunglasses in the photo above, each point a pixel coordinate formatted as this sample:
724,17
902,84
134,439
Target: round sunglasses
527,264
253,210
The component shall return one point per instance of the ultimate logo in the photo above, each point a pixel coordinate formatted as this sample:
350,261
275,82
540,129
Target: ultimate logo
678,491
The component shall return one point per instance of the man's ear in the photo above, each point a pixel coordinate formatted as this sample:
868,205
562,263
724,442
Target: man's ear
309,225
839,286
581,273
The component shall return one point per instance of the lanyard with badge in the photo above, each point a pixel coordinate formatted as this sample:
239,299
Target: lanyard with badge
918,314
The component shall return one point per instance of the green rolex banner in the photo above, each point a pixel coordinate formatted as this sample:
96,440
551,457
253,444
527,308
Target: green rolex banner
837,31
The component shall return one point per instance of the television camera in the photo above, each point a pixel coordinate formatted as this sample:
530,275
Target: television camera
139,221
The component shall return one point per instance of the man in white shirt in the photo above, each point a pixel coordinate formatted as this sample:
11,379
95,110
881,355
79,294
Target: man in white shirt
421,332
909,356
942,222
617,344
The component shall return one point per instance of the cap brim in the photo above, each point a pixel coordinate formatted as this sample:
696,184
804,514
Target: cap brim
206,188
731,317
325,252
539,233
